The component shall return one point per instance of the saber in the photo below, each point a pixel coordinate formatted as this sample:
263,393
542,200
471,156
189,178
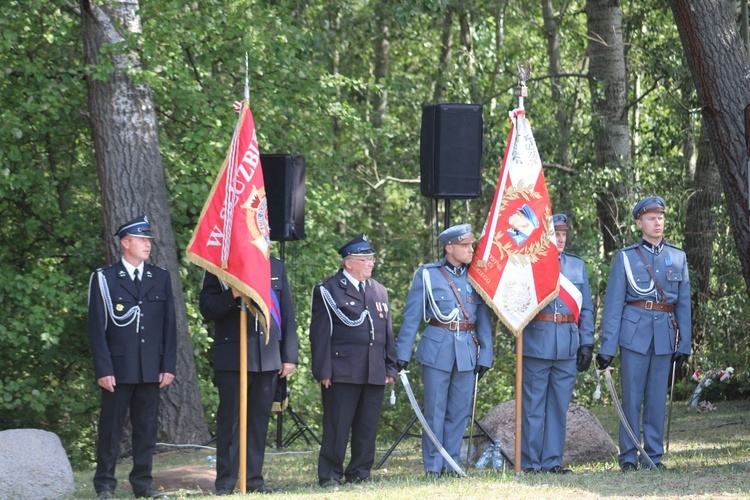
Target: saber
677,339
621,414
671,400
471,427
405,380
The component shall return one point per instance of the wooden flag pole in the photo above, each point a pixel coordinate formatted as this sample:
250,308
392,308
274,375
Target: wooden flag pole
243,397
519,403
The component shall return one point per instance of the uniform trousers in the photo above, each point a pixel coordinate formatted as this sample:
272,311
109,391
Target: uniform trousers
447,408
644,387
547,388
349,406
143,402
261,388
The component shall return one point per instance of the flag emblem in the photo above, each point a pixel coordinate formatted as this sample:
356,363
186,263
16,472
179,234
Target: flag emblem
256,206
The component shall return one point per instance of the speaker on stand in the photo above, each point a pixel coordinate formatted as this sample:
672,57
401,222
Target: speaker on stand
284,177
450,153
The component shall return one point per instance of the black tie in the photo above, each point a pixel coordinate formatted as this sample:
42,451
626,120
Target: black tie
362,288
137,280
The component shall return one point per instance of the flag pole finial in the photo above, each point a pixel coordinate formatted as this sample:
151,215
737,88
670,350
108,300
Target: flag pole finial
247,79
524,73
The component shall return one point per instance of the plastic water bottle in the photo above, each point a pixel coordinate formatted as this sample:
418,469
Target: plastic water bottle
486,457
498,462
211,461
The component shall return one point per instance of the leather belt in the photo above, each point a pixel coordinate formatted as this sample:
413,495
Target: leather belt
650,305
453,325
555,318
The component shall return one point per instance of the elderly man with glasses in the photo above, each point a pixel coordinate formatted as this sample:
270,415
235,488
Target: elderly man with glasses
353,358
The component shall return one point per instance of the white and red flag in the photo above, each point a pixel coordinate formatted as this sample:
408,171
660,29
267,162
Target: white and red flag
516,268
232,238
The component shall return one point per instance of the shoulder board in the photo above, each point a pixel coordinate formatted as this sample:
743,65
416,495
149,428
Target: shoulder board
157,267
631,247
326,280
108,266
432,265
673,246
573,256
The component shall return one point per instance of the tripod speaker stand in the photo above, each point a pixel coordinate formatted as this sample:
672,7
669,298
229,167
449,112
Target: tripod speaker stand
300,427
405,433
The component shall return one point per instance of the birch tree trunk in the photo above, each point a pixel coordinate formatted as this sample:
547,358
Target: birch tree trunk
609,90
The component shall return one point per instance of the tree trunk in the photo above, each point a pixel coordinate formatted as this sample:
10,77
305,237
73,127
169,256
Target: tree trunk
132,181
446,46
608,84
700,230
468,45
719,66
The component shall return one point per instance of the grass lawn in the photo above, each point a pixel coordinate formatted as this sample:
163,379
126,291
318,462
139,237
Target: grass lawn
709,457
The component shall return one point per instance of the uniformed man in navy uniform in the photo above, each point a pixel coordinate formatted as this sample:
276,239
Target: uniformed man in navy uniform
556,343
134,346
646,314
353,358
269,357
455,345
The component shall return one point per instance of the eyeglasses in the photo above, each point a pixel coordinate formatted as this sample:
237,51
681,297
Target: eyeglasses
366,260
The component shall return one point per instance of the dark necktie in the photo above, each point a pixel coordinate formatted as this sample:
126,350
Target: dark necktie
362,288
137,280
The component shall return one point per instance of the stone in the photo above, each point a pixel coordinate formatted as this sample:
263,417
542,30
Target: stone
585,438
33,465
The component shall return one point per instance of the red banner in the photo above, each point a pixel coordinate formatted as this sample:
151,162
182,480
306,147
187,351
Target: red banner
232,239
516,267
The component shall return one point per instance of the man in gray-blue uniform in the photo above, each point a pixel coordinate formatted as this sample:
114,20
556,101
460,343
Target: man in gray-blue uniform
555,343
456,344
647,314
353,358
134,346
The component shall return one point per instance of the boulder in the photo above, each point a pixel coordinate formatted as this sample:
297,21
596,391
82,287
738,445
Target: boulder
585,438
33,465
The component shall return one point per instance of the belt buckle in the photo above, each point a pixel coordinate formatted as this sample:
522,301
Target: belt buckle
649,305
554,317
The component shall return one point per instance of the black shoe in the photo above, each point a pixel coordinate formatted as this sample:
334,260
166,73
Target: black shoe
224,492
105,494
329,483
432,475
359,480
660,467
628,467
530,470
559,470
449,473
263,488
150,493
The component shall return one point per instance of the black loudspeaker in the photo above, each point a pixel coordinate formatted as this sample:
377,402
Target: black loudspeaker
451,151
284,176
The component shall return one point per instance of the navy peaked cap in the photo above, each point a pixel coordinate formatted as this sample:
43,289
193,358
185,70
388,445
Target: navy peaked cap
139,227
358,245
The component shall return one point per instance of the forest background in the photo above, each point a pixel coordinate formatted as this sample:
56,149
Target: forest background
613,103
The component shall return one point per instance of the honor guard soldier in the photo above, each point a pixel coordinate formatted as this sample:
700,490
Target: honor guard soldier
455,345
557,342
270,356
134,345
353,358
646,314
